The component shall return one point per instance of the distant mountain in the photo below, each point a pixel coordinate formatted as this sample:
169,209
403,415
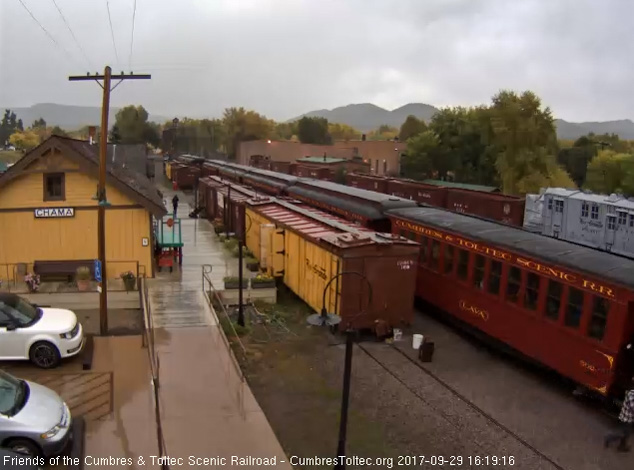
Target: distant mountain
573,130
366,117
68,117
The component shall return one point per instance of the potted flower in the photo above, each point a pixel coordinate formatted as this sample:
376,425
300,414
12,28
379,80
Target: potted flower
129,280
219,227
262,281
233,282
252,264
32,281
83,277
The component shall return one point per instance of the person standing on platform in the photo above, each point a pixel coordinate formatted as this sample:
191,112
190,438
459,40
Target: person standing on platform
175,204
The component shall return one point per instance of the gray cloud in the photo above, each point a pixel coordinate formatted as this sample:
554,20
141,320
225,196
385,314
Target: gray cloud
285,57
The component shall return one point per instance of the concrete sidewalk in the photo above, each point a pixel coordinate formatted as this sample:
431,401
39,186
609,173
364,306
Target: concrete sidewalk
207,409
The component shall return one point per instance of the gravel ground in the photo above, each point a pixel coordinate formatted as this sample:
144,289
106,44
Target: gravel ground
396,409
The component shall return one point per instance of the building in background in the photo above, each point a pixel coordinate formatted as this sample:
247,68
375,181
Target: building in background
48,210
382,156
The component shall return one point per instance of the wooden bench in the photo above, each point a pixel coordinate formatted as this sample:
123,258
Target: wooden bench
62,269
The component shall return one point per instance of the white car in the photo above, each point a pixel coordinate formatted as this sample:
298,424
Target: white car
43,335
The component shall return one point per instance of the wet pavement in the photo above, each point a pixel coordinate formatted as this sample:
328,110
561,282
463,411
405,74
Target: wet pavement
206,406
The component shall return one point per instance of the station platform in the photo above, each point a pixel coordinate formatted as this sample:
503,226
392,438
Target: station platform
207,409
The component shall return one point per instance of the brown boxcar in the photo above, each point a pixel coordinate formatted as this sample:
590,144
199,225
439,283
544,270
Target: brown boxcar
186,176
506,209
305,171
417,191
281,167
319,248
367,182
566,306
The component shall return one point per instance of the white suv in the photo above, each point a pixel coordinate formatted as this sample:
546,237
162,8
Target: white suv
43,335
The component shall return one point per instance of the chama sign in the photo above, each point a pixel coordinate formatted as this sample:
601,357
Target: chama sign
510,257
54,213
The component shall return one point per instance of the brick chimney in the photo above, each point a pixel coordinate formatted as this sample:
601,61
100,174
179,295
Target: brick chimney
363,137
324,156
92,131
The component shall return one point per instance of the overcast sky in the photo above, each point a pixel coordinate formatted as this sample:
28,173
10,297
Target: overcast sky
286,57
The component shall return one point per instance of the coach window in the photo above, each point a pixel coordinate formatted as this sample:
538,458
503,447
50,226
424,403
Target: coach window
448,259
585,209
424,250
574,308
553,299
595,212
411,236
599,318
622,218
434,259
463,264
494,277
478,271
513,284
531,296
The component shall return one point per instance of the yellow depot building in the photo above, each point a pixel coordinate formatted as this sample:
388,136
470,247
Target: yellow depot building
48,211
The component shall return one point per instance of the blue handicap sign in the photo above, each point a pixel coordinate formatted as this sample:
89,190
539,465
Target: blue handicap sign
97,270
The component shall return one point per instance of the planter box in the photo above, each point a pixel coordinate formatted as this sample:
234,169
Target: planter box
230,297
263,285
236,284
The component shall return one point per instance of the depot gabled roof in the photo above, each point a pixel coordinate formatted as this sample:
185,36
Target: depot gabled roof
134,185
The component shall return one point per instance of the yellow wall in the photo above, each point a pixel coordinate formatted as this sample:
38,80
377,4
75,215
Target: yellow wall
253,234
25,239
307,269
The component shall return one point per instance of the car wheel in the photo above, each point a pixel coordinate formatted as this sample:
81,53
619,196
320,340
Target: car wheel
44,355
24,446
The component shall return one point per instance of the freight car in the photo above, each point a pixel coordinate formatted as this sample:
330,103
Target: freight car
565,306
367,208
307,250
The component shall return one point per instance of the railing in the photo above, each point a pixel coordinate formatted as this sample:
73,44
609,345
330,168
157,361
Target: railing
233,372
155,363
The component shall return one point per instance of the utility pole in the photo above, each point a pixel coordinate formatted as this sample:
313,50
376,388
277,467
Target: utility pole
101,189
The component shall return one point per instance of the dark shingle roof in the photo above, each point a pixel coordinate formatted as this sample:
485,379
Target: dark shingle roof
597,263
136,183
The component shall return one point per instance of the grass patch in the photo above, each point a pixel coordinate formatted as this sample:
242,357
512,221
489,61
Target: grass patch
8,156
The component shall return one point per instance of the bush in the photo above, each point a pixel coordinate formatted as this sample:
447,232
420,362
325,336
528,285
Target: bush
261,278
83,273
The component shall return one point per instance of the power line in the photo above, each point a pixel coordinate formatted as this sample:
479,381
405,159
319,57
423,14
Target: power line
132,38
45,31
112,32
73,34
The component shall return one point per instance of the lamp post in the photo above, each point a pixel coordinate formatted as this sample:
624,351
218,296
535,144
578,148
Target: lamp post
329,319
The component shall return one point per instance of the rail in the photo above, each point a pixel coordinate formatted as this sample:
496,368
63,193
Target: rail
233,372
155,364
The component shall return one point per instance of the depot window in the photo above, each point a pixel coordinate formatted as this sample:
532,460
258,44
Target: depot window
575,308
434,259
448,259
553,299
513,284
494,277
585,209
531,296
54,189
478,271
463,264
599,318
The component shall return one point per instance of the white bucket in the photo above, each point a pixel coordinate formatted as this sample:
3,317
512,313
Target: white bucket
417,340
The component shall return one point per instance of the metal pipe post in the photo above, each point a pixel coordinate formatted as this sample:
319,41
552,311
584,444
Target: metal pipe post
240,305
343,420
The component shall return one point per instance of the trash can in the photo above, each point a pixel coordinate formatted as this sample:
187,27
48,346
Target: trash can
426,351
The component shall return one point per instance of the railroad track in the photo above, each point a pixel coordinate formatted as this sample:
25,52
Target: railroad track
458,395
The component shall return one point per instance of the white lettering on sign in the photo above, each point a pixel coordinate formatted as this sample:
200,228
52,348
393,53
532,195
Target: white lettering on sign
405,265
54,212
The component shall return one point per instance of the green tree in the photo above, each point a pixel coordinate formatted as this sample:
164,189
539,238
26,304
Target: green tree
285,130
8,126
38,123
422,157
313,130
411,127
134,128
339,131
383,132
241,125
610,172
115,135
56,130
524,137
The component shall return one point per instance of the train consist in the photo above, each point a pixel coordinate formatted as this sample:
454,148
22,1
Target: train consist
565,306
